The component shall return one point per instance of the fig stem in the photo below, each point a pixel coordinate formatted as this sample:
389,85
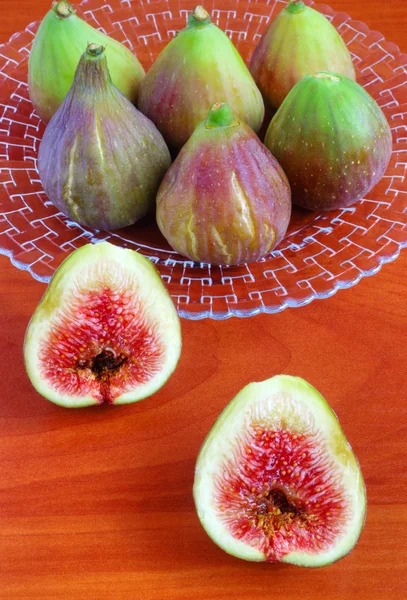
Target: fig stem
295,6
63,9
199,17
220,115
95,49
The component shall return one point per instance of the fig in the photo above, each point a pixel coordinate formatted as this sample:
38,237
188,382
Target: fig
198,67
332,140
105,331
225,199
56,50
299,41
276,479
101,160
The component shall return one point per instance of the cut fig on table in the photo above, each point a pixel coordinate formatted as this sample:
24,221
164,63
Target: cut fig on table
276,479
105,331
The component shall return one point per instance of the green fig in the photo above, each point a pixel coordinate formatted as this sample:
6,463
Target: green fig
57,48
101,160
199,67
332,140
299,41
225,200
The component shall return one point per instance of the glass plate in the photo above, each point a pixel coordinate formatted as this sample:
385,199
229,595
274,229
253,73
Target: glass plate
321,252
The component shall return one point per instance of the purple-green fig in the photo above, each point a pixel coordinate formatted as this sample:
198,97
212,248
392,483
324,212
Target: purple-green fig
225,200
199,67
332,140
299,41
57,48
101,160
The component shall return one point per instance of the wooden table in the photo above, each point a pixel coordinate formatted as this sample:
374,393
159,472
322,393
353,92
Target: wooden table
97,504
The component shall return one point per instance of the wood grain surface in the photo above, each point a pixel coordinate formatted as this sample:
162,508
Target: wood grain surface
96,503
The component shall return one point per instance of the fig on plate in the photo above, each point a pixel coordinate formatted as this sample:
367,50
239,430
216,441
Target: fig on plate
299,41
101,160
199,67
105,331
276,479
332,140
58,45
225,199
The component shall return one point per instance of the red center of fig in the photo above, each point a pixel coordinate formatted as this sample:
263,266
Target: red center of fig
282,493
100,345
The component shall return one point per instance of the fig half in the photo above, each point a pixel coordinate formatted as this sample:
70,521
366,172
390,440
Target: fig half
276,479
106,330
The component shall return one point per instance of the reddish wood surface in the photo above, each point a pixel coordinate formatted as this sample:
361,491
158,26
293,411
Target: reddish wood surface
97,504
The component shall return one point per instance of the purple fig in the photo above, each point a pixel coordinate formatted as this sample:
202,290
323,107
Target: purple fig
57,48
100,160
332,140
299,41
198,67
225,200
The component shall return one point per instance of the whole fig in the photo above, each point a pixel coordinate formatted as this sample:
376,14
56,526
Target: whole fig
57,48
332,140
198,67
299,41
225,200
100,160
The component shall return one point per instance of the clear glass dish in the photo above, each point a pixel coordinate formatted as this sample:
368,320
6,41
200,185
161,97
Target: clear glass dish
321,253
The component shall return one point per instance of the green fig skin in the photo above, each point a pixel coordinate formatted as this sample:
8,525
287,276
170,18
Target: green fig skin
332,140
57,48
199,67
101,160
225,200
298,42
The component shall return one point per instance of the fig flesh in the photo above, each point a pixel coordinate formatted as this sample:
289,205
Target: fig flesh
58,45
101,160
332,140
199,67
225,199
276,479
106,330
299,41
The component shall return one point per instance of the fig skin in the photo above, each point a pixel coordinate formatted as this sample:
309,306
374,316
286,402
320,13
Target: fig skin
198,67
332,140
58,45
299,41
101,160
225,199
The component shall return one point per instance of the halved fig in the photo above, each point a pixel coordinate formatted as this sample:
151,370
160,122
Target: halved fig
276,479
106,330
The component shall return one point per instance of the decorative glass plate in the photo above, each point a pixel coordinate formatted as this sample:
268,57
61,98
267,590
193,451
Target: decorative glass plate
321,252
